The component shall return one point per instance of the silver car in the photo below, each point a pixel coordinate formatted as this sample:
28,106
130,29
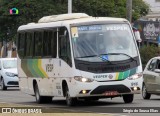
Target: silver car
151,75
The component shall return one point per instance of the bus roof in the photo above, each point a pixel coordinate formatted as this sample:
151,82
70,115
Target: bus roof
72,18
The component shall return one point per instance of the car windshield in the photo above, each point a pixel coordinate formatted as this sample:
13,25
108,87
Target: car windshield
7,64
115,41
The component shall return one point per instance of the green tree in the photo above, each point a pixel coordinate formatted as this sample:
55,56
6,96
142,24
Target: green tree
148,52
32,10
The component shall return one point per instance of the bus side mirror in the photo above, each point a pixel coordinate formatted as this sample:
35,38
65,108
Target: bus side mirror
137,36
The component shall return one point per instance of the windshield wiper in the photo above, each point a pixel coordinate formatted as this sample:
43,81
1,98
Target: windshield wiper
87,56
120,54
95,56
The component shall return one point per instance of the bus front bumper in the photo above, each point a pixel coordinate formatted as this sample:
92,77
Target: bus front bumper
107,89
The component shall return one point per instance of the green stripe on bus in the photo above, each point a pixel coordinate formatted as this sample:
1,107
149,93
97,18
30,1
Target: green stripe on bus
38,71
126,74
132,71
31,64
120,77
25,68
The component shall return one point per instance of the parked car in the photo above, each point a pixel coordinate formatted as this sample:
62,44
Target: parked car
8,73
151,75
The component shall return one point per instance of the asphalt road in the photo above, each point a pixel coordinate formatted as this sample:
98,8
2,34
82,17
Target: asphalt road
103,106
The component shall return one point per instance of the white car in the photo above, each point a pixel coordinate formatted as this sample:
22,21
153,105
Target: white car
8,73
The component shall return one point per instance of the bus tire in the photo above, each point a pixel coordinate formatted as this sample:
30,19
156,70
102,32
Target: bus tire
3,87
128,98
47,99
145,94
39,99
70,101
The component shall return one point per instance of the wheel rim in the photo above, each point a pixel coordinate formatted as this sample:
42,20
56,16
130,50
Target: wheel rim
68,98
37,94
144,91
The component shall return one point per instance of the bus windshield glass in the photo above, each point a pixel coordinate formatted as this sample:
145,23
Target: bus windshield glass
98,43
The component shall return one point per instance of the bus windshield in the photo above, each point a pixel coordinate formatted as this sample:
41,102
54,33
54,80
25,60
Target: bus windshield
98,43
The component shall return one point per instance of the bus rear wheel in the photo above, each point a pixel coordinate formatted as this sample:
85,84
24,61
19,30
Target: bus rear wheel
39,98
128,98
71,101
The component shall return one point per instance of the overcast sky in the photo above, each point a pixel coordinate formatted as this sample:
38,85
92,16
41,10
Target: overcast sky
154,5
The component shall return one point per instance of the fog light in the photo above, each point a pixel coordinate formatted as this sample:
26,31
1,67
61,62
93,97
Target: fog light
135,88
84,91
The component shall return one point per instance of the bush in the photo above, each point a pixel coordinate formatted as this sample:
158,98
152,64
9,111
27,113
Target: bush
148,52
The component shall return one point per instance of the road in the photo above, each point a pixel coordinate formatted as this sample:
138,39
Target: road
13,95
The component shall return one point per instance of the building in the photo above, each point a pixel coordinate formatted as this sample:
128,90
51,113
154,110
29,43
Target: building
154,14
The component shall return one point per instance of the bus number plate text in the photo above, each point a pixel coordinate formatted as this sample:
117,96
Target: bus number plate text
111,93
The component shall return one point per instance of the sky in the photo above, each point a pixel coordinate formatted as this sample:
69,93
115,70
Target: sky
154,5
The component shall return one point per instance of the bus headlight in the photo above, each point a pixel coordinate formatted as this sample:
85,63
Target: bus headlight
135,76
83,79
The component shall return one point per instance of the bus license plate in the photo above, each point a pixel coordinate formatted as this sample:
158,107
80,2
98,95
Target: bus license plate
111,93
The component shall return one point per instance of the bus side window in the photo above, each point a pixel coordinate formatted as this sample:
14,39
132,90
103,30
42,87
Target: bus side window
29,44
50,43
38,44
64,46
21,45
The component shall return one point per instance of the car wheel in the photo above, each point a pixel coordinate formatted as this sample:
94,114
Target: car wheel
128,98
3,87
70,100
145,94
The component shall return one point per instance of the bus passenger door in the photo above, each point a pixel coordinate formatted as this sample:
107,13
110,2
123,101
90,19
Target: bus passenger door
65,62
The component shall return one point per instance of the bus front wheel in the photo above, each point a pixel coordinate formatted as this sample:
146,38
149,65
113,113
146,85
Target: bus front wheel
128,98
71,101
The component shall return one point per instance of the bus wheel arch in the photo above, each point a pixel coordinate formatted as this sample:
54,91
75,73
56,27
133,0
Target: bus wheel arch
34,84
71,101
64,85
36,91
39,98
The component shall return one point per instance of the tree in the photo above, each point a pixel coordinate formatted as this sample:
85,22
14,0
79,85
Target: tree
29,11
32,10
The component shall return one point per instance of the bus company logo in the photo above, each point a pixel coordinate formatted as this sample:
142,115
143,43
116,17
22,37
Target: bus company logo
49,67
110,76
99,76
14,11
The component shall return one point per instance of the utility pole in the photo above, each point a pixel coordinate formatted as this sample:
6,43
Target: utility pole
129,10
69,6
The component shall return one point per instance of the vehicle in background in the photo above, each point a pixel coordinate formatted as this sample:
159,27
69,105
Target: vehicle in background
79,57
151,75
8,73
